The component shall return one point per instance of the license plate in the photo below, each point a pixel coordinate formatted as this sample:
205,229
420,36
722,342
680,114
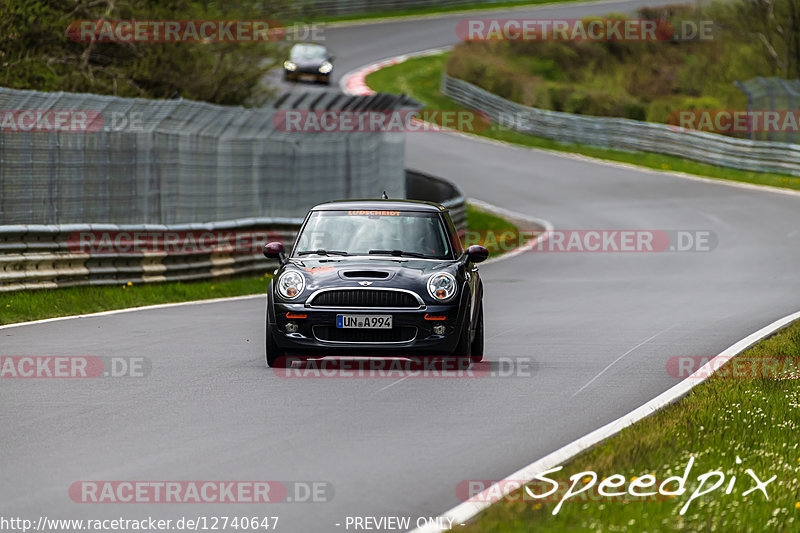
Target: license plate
309,77
364,321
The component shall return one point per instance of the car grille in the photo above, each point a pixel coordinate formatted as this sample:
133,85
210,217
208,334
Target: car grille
365,298
377,274
333,334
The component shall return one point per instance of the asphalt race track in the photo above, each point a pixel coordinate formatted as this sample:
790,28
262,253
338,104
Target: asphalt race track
586,335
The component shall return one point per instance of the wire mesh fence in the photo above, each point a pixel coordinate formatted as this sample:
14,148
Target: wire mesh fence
96,190
772,94
79,158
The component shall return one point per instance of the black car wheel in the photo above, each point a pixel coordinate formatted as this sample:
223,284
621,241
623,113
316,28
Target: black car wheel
464,347
275,357
477,343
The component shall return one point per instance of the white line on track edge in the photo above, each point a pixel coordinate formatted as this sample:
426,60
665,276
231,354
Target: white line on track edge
132,309
546,225
464,511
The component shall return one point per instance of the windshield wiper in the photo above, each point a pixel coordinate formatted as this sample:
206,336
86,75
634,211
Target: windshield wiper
322,252
396,252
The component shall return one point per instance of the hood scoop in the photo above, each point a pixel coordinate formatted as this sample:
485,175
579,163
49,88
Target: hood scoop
364,274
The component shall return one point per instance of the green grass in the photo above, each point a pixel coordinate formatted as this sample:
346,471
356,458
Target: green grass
22,306
479,220
496,234
27,305
420,78
731,415
419,11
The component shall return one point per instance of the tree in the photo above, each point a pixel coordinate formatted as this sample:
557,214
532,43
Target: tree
36,51
776,25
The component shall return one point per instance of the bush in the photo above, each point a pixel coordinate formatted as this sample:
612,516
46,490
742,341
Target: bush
634,111
36,52
703,102
547,68
642,80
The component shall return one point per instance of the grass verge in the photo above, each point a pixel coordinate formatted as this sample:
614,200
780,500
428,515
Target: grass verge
479,220
420,78
23,306
498,235
747,410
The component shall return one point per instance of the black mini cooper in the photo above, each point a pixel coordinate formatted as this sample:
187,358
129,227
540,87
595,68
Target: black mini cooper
375,278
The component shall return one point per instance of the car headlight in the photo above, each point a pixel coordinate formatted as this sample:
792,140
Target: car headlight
442,286
291,284
289,65
325,68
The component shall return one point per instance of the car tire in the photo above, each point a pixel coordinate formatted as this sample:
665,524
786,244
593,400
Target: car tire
476,350
464,347
274,356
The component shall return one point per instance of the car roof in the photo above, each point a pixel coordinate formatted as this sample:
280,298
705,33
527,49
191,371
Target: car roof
310,45
391,205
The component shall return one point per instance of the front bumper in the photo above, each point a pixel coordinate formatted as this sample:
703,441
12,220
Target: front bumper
311,75
411,334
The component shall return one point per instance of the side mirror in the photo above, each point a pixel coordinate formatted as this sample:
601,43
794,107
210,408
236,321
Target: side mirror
274,250
477,253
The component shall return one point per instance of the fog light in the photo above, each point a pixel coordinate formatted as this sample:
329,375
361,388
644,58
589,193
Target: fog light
291,327
438,329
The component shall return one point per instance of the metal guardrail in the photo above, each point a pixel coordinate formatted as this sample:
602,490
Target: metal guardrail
423,186
40,257
51,256
625,134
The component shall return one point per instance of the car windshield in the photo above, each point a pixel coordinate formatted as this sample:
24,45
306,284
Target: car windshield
307,52
374,232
